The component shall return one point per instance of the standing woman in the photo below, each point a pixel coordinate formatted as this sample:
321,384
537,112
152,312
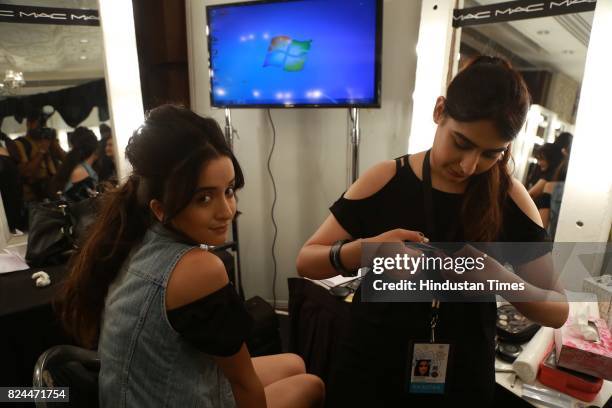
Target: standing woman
169,327
473,198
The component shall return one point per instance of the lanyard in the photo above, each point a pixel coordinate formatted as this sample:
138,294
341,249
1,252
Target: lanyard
431,231
435,308
428,198
431,224
430,218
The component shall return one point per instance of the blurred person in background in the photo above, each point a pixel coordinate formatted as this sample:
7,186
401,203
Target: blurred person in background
105,164
549,157
10,184
39,157
76,179
549,203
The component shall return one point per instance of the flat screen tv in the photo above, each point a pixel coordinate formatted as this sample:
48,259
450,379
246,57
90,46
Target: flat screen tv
295,53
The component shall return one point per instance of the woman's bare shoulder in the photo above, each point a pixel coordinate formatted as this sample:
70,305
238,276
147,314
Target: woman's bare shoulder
370,182
197,274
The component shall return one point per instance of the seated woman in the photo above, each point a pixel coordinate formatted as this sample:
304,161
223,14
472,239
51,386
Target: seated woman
169,327
76,179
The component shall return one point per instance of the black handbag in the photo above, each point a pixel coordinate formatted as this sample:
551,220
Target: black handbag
82,215
55,230
265,338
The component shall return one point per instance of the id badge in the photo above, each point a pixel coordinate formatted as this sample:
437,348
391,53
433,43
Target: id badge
428,366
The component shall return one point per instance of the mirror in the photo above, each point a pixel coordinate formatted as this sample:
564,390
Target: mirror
550,52
52,90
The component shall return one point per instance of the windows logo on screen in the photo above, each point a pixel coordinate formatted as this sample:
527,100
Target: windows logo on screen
287,53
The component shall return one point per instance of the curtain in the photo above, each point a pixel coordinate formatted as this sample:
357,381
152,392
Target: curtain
73,104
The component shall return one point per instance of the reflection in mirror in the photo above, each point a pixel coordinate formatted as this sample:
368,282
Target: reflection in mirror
550,53
56,140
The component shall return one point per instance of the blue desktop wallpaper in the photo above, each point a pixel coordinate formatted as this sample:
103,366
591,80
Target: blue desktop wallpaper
315,52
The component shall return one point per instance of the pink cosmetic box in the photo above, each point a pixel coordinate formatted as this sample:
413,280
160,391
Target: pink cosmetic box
589,357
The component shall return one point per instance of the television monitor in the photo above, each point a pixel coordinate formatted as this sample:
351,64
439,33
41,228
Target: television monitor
295,53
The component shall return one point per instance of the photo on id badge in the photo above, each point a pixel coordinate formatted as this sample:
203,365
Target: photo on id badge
428,368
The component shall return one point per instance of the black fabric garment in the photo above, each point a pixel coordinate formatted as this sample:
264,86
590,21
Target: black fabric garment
371,366
105,168
81,190
216,324
543,201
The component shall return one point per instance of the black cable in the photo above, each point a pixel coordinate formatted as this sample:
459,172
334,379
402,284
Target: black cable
273,206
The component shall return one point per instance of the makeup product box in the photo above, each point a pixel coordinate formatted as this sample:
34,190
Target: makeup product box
578,385
601,286
593,357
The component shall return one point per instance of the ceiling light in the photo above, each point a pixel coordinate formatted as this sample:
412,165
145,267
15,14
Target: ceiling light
83,40
543,32
12,81
83,57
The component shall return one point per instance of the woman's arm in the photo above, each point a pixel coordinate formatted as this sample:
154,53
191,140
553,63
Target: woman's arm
549,305
537,188
246,385
199,274
313,260
545,211
545,215
547,313
78,174
539,273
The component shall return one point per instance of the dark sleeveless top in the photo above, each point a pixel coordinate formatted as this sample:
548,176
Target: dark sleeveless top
370,366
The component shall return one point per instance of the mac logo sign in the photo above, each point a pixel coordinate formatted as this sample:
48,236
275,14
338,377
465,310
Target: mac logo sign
48,15
513,10
569,3
518,10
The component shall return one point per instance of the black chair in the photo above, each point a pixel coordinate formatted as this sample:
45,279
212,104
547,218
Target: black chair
69,366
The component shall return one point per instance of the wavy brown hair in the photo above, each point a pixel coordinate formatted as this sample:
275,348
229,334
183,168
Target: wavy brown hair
488,88
167,153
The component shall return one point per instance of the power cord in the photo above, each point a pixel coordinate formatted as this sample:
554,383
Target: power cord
273,207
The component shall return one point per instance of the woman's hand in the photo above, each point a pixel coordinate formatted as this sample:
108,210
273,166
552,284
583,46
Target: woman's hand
313,259
491,269
472,265
397,235
393,244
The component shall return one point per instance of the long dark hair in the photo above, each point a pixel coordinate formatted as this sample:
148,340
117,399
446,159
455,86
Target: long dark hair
553,156
104,165
563,141
84,144
167,153
488,88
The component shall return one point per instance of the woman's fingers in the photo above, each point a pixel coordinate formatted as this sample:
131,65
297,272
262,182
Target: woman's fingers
409,235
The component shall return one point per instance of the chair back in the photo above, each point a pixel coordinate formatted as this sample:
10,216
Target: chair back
69,366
